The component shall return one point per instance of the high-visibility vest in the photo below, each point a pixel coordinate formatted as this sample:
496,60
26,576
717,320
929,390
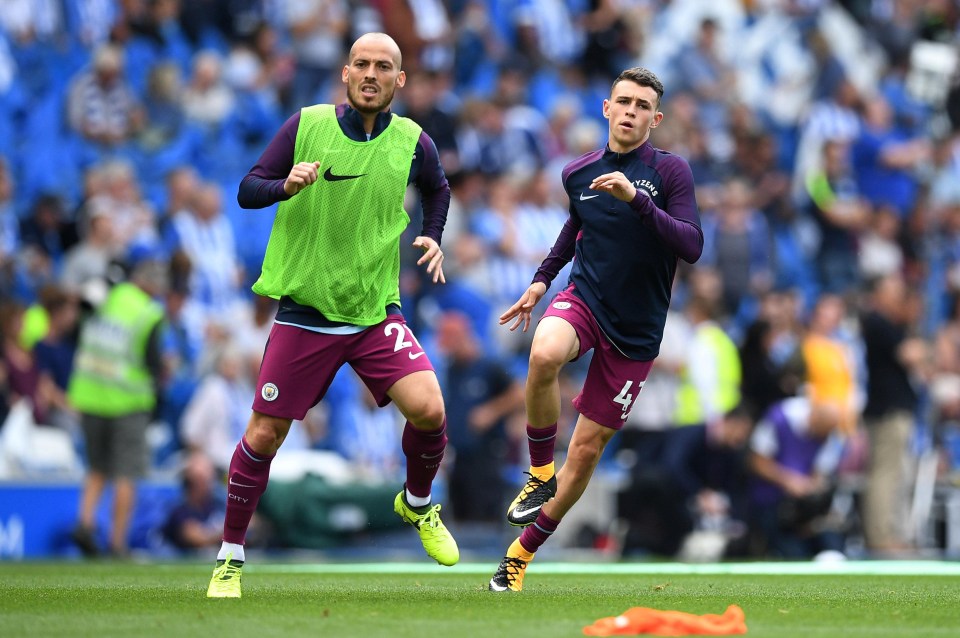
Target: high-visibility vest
110,376
726,394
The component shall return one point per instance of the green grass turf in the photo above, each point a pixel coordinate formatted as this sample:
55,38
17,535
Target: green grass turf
104,599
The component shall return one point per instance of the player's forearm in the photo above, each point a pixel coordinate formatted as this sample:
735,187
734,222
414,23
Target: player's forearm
560,254
431,181
256,192
435,207
682,237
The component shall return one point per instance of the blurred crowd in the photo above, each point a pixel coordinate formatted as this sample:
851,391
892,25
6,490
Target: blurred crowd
814,349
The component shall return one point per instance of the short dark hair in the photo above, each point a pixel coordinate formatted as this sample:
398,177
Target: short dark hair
742,411
643,77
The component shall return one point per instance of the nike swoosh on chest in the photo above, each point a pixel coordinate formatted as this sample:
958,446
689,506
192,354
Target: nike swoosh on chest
330,177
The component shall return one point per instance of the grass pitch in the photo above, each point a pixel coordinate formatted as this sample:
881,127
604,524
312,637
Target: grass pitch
417,600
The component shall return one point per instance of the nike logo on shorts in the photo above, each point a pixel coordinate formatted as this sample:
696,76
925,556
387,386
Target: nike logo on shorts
330,177
232,482
415,356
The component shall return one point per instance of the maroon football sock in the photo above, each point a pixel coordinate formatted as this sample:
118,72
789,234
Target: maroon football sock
247,480
424,451
541,442
533,536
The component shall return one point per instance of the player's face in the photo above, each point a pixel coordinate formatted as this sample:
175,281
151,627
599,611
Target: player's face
373,75
632,111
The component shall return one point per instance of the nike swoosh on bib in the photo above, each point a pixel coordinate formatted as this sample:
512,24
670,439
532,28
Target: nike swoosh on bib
583,199
330,177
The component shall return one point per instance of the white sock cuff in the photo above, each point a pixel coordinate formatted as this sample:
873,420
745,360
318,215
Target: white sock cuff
416,501
231,548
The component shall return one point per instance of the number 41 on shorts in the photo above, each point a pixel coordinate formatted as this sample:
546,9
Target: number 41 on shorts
625,398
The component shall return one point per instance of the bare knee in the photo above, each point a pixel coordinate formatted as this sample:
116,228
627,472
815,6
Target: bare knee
419,399
583,456
586,454
427,413
545,363
265,434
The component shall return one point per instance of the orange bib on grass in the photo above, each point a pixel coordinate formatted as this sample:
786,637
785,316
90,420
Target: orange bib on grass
643,620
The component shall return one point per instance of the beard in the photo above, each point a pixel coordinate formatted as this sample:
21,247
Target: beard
372,104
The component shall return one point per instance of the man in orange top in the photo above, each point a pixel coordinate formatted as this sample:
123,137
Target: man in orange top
829,361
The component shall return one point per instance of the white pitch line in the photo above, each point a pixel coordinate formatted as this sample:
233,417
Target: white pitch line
840,568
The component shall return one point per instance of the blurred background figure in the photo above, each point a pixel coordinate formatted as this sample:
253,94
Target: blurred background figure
771,354
317,29
895,360
54,354
841,213
794,453
21,371
365,434
89,260
114,387
481,397
207,99
217,413
206,237
690,479
737,244
832,365
102,107
711,374
196,521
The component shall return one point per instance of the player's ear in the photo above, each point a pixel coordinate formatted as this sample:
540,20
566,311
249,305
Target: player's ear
401,79
606,109
657,118
345,73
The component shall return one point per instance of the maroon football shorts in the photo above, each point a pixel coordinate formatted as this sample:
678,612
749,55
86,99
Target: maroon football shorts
613,381
299,365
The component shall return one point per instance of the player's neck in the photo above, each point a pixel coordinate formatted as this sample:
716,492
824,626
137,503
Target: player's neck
369,119
616,147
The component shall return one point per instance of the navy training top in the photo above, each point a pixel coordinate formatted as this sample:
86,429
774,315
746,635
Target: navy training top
626,252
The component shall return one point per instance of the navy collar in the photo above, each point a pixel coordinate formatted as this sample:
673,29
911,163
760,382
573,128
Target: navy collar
638,152
352,122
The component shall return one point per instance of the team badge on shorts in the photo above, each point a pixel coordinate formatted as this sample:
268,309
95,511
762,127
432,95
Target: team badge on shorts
269,392
562,305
